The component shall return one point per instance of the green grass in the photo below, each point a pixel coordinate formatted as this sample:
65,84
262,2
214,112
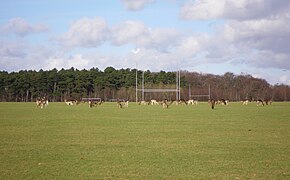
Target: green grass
144,142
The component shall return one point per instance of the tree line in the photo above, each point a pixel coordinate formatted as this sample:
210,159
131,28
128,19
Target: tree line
58,85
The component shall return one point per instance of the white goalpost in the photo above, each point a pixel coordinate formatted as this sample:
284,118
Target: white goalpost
199,95
144,90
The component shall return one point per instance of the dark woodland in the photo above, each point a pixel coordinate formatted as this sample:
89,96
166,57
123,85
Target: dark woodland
58,85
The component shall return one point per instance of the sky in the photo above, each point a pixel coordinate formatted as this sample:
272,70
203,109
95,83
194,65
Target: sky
206,36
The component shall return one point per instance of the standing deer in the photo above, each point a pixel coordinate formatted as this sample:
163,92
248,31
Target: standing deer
212,103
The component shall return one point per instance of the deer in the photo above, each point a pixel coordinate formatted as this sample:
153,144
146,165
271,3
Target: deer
212,102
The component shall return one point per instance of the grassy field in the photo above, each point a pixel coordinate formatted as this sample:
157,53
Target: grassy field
144,142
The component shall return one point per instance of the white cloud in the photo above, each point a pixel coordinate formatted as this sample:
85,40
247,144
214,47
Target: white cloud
265,42
285,79
202,9
232,9
22,28
152,59
138,34
134,5
268,59
254,32
160,38
86,32
191,46
20,54
94,32
12,49
128,32
76,61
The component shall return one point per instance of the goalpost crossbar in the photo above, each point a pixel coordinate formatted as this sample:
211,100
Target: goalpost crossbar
200,95
158,90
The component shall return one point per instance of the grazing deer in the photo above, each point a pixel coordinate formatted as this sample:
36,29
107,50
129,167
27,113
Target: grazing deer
119,104
154,102
70,103
182,101
260,102
143,103
175,102
268,102
192,102
93,103
164,104
126,103
245,102
38,102
41,102
223,102
212,102
122,104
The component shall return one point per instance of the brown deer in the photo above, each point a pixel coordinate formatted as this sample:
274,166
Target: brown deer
260,102
212,103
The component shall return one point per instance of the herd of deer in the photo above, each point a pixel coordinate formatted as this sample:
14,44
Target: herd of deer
165,103
259,102
94,102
